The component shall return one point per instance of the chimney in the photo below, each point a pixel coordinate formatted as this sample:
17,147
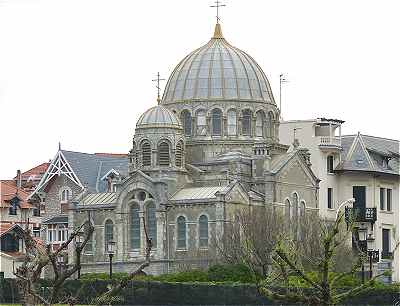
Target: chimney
19,179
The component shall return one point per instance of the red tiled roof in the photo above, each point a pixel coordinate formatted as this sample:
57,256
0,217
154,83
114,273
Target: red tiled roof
8,191
38,170
5,227
112,154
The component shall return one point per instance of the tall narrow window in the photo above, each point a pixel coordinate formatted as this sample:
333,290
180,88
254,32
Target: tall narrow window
359,194
329,163
181,232
151,221
65,195
108,233
203,231
246,122
201,123
389,199
135,226
186,119
179,154
232,122
260,118
163,154
382,198
330,198
216,122
385,243
287,210
89,244
295,201
146,153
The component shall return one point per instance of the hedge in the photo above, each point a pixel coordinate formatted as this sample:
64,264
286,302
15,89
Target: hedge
159,293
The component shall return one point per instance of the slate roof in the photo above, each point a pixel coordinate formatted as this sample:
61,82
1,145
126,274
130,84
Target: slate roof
90,168
368,153
198,193
56,220
103,198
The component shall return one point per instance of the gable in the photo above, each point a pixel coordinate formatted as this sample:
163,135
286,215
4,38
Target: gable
297,173
237,195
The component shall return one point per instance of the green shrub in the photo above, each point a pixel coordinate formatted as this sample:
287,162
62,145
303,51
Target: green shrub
231,273
182,277
103,276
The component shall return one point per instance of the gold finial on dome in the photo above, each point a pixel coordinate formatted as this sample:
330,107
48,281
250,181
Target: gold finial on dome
158,87
218,31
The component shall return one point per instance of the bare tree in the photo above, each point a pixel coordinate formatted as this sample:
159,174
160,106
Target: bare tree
111,295
39,256
289,259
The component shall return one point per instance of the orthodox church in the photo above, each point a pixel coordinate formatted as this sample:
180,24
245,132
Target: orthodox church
208,149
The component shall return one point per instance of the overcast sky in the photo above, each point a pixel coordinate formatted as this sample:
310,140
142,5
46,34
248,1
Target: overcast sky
79,72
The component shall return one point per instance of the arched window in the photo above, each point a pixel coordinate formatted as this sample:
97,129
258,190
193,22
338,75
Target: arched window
216,116
203,231
270,125
108,233
179,154
246,122
135,226
287,210
295,200
151,222
302,209
181,232
260,118
186,119
146,153
201,123
163,154
232,122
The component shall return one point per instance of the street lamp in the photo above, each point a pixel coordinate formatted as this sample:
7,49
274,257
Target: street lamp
362,244
78,243
110,251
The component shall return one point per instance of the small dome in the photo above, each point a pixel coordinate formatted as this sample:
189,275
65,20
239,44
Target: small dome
158,116
218,70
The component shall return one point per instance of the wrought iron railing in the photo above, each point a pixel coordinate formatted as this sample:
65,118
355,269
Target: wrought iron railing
386,255
357,214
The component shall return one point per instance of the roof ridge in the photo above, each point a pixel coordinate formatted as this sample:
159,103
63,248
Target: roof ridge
376,137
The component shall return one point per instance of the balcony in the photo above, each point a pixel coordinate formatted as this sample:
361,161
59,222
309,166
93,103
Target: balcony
361,214
328,142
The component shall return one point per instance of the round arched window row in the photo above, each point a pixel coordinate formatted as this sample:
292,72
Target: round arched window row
151,223
146,153
203,231
179,154
135,226
181,233
108,233
186,119
216,122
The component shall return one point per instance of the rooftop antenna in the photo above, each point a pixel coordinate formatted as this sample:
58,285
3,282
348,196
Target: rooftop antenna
282,80
158,86
217,5
59,146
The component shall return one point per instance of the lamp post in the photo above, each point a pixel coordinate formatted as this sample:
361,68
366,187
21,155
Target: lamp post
110,250
362,240
78,243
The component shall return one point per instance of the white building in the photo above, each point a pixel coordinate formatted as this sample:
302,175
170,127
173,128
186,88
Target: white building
355,166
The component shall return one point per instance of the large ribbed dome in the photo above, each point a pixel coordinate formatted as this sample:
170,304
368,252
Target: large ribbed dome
158,116
218,70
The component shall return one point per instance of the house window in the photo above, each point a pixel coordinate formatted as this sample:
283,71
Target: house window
146,153
359,194
135,227
163,154
260,118
203,231
330,198
382,198
329,163
186,120
51,233
108,233
181,232
216,122
89,243
232,122
65,195
36,231
36,211
246,122
385,243
389,199
201,123
151,221
62,233
13,209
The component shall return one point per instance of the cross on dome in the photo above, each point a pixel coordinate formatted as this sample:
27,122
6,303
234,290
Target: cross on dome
217,5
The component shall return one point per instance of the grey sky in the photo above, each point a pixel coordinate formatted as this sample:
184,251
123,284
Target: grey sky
80,71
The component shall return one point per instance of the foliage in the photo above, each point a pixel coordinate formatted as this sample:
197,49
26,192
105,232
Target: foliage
103,276
183,277
231,273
